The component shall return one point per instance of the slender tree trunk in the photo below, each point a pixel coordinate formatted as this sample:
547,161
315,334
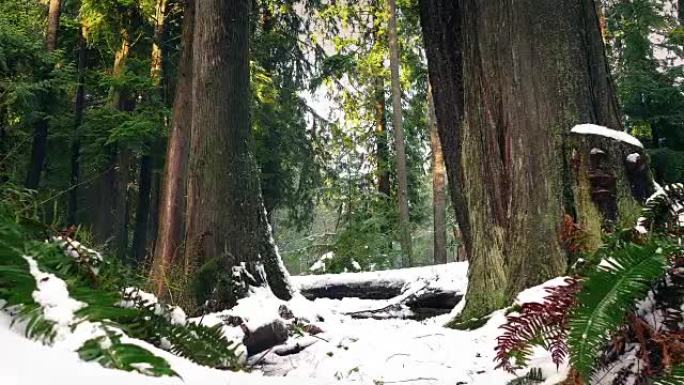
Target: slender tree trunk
531,71
172,202
402,178
438,185
79,106
227,234
380,118
54,10
142,213
38,153
121,160
40,129
147,160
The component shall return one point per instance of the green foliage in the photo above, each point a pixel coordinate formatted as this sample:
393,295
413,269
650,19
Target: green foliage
99,284
675,377
203,345
607,295
109,352
667,165
651,97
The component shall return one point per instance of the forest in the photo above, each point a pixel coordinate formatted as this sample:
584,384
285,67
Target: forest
427,192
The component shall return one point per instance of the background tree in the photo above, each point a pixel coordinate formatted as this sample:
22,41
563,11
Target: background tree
399,145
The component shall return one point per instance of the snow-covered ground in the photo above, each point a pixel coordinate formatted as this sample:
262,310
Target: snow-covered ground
357,351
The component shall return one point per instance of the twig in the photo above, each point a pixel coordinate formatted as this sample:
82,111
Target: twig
409,380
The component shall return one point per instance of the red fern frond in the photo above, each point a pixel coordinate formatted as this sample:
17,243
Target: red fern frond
544,324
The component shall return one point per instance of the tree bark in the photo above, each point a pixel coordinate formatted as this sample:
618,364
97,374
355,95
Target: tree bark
79,106
438,186
531,71
147,160
227,230
172,202
400,156
40,129
380,120
54,10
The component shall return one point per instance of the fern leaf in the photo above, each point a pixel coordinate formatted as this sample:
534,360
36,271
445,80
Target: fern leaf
676,377
607,294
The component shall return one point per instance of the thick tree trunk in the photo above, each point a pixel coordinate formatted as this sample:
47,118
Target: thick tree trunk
531,71
54,10
400,156
172,202
438,186
79,106
227,226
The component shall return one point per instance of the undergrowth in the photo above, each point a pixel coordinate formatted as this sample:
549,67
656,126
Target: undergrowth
119,314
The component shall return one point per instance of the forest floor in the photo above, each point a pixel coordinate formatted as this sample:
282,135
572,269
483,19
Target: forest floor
347,350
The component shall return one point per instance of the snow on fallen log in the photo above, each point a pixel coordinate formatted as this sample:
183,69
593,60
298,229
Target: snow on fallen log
414,293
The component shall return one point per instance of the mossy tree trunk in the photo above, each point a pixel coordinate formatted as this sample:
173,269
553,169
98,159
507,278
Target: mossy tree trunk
510,80
228,235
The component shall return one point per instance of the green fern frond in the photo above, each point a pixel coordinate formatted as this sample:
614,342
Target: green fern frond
676,377
607,295
204,345
111,353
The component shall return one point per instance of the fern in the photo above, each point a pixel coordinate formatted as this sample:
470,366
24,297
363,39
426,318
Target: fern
608,294
675,377
203,345
97,283
109,352
663,210
544,324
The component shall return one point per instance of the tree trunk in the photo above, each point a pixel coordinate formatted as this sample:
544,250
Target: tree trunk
38,153
380,120
438,186
40,128
79,106
172,202
228,235
531,71
142,214
54,10
400,156
147,161
122,101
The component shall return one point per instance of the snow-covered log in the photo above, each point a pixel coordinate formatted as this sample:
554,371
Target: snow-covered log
414,293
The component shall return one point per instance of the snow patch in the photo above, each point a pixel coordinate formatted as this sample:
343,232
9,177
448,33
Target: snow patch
593,129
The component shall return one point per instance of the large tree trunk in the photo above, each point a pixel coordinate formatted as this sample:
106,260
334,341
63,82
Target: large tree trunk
400,156
79,106
172,202
438,186
227,231
531,71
